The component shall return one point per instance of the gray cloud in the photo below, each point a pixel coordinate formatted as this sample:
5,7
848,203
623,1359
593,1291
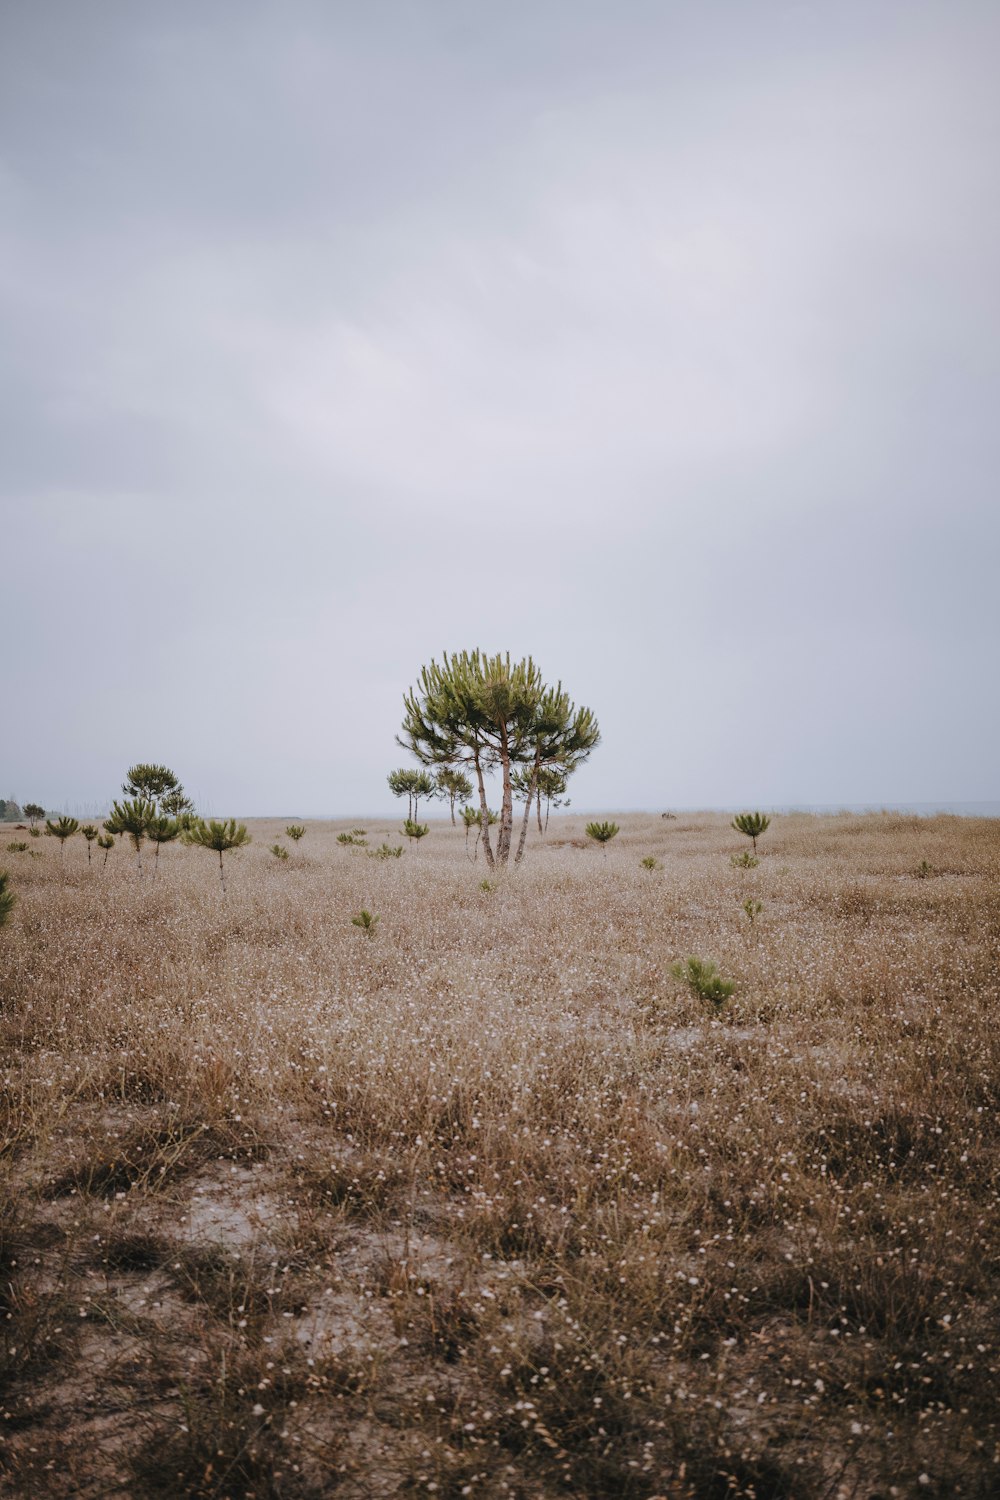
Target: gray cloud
684,321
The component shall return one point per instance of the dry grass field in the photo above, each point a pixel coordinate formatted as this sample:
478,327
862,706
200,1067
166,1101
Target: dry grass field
489,1203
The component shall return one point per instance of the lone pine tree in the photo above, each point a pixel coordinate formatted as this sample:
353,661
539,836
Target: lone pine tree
490,714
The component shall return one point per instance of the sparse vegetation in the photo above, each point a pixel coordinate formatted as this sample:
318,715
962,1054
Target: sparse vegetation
651,863
268,1186
744,860
18,846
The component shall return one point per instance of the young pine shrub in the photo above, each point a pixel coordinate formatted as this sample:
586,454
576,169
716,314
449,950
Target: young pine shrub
753,824
702,976
295,831
366,921
90,833
414,830
107,843
20,846
220,837
279,851
62,829
132,817
651,863
602,833
7,898
162,830
386,851
744,861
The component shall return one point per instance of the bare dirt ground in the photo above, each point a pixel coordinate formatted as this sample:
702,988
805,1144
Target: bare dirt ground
490,1203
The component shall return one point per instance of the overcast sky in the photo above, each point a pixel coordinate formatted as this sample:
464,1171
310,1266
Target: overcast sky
657,340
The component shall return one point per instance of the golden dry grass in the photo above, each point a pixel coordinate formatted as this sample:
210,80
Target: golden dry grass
487,1203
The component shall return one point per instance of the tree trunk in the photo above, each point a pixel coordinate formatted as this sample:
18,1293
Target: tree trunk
453,809
538,809
507,805
222,873
527,818
484,811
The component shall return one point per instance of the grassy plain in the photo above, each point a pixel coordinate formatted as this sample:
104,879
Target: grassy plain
488,1203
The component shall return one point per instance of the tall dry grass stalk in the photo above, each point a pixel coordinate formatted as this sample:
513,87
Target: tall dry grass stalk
489,1203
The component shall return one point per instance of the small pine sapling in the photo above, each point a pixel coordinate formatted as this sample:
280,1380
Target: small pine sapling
753,909
602,833
107,843
414,830
386,851
162,830
295,831
62,829
132,818
704,978
366,921
753,824
90,833
651,863
7,899
20,846
221,837
744,860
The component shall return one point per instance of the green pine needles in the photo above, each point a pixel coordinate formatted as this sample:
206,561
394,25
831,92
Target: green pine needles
295,831
62,829
279,851
753,824
414,830
602,833
162,830
386,851
704,979
8,900
366,921
132,818
220,836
